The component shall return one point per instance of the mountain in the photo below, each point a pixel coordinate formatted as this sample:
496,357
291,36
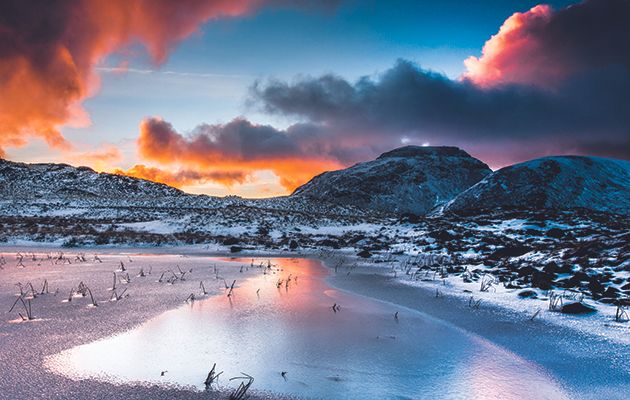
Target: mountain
61,189
61,181
561,182
410,179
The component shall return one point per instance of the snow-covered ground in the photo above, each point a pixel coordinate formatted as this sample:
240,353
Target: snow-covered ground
64,318
602,323
578,253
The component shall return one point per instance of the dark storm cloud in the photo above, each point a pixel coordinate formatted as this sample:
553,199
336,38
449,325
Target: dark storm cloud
408,101
583,49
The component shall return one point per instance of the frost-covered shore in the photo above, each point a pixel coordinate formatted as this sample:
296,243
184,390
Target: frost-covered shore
487,291
585,352
59,325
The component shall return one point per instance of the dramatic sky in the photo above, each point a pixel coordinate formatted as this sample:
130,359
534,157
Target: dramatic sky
254,97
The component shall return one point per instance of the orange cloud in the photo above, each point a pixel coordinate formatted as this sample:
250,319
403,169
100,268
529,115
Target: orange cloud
182,178
48,52
236,146
99,159
544,47
503,55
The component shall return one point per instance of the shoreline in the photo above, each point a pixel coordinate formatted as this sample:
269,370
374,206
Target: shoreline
553,347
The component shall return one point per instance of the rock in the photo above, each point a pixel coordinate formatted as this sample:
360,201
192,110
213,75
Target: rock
329,243
611,292
526,270
595,286
577,308
364,253
443,236
527,294
555,233
575,280
624,302
510,251
235,249
230,241
410,218
552,268
542,280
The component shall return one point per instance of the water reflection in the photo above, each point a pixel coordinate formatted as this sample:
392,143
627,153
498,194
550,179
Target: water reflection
268,327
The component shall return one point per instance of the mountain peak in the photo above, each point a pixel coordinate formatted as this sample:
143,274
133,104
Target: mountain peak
412,151
409,179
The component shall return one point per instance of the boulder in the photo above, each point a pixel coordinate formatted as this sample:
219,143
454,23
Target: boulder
527,294
577,308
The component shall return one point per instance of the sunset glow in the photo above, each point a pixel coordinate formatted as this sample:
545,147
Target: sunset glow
314,199
82,80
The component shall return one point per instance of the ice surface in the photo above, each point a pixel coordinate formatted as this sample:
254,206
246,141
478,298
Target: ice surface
358,352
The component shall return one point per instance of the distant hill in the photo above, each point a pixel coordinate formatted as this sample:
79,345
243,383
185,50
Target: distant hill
54,181
410,179
63,189
561,182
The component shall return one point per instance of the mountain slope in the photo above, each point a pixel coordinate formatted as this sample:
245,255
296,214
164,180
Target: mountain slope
561,182
54,181
409,179
56,189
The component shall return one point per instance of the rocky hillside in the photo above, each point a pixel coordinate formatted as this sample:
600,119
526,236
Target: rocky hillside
409,179
61,181
60,189
562,182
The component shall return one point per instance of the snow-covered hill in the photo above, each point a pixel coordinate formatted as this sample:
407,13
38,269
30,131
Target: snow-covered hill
409,179
561,182
60,190
61,181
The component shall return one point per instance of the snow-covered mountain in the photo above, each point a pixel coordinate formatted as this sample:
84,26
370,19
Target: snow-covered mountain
60,189
61,181
409,179
406,180
561,182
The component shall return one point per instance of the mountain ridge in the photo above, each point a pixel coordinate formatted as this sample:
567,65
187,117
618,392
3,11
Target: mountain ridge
553,182
60,178
410,179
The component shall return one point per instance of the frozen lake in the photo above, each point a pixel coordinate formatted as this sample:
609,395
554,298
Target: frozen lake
359,352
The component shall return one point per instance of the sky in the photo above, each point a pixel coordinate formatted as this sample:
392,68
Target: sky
254,97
